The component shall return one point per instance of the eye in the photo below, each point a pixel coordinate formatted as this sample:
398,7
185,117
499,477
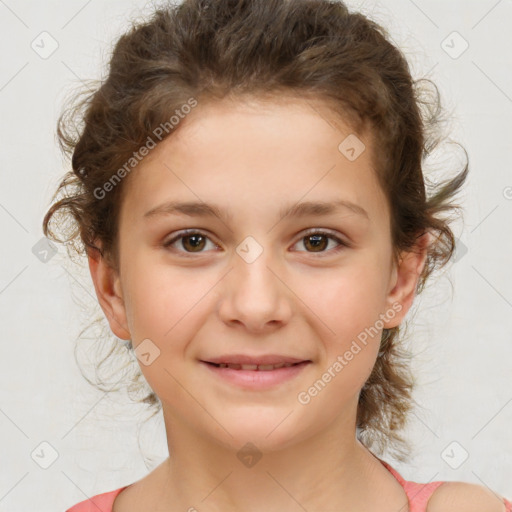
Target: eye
192,241
318,240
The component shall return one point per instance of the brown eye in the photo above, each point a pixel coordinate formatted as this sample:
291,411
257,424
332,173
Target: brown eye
191,242
317,242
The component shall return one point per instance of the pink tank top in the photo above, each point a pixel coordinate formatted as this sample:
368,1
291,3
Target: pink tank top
417,494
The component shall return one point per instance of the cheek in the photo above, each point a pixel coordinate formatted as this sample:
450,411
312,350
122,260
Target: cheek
167,305
347,301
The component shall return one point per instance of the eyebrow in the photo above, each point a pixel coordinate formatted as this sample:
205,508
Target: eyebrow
307,208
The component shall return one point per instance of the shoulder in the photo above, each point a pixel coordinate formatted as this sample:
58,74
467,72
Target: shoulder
465,497
99,503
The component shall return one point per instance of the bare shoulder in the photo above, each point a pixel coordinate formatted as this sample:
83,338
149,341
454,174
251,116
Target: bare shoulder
465,497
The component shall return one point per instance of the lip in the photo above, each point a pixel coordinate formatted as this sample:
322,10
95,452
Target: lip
257,379
247,359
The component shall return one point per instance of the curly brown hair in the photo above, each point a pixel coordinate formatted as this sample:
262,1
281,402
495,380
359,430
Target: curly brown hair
209,49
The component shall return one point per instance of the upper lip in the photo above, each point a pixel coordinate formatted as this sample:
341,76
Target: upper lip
246,359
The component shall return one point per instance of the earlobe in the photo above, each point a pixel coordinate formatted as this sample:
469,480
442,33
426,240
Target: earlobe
406,275
109,292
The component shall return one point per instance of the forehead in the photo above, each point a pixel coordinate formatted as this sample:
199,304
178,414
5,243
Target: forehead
259,154
252,124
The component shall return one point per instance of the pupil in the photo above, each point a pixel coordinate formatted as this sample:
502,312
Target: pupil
194,245
316,241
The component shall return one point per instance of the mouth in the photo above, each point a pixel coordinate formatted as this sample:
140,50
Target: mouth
255,367
255,373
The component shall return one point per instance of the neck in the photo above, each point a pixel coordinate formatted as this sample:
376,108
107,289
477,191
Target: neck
330,470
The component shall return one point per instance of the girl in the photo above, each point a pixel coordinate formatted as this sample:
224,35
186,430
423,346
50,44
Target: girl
248,188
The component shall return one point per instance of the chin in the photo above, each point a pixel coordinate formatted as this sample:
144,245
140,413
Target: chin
260,429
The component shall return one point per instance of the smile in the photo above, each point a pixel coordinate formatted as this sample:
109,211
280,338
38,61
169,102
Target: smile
254,377
254,367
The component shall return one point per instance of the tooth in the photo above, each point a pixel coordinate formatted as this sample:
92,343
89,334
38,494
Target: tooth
249,366
262,367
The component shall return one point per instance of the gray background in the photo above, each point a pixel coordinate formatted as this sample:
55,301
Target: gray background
462,338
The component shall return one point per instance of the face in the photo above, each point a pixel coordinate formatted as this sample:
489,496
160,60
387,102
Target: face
315,286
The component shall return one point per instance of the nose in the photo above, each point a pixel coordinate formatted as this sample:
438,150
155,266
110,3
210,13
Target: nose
255,296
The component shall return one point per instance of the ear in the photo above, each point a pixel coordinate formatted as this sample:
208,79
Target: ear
404,280
108,290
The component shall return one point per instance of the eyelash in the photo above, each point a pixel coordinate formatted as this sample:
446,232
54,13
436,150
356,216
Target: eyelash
183,234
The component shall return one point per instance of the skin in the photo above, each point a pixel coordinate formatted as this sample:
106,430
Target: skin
253,157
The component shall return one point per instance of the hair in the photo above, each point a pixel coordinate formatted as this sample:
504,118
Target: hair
212,49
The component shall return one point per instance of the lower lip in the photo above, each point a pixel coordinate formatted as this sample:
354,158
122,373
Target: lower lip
257,379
